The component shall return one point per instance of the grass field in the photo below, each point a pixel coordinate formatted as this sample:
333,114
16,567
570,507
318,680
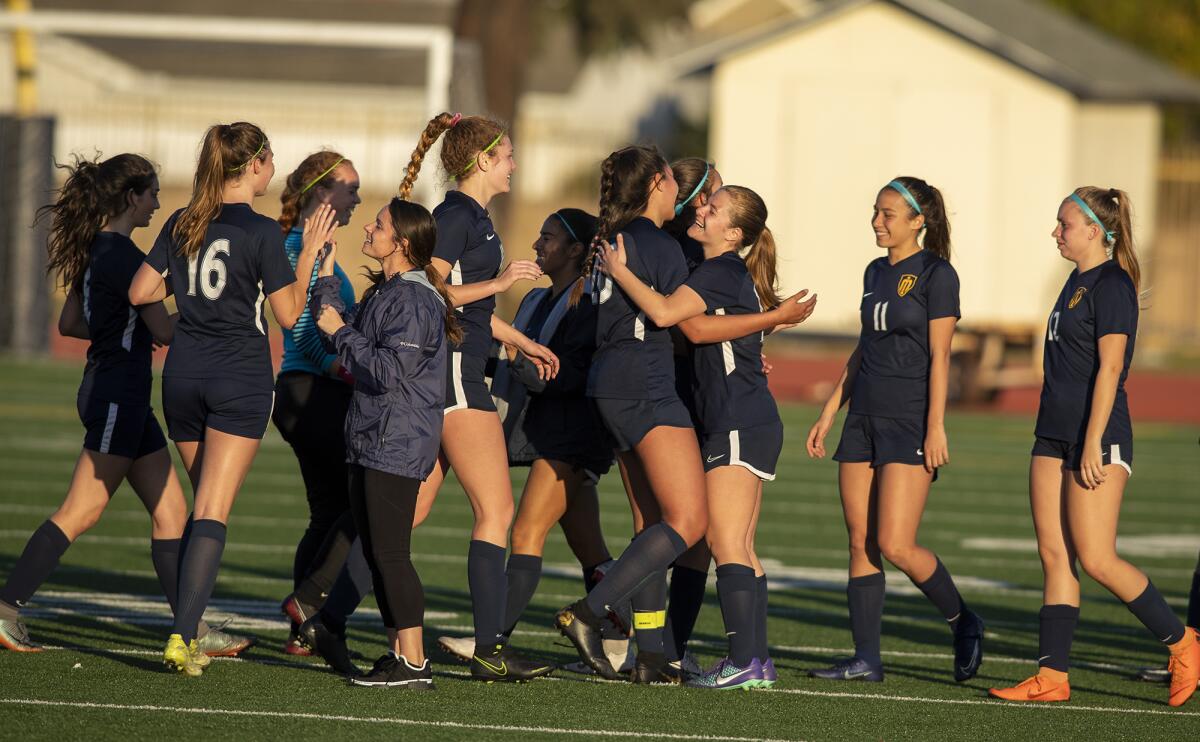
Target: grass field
102,613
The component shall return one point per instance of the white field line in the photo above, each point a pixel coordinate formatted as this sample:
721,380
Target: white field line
292,715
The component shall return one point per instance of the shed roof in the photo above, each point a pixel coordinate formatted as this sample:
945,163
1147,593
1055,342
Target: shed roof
1033,36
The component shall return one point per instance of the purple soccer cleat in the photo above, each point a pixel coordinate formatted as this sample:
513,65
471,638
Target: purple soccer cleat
727,676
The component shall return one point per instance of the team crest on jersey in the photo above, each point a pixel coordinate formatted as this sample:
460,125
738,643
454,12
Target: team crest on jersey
1079,292
907,281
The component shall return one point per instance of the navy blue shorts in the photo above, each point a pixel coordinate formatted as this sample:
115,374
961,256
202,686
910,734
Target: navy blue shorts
629,420
128,430
756,449
466,388
231,406
1111,452
881,440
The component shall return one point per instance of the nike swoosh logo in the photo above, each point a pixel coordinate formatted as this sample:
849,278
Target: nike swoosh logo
491,236
868,294
920,452
711,459
974,656
1043,658
501,670
855,675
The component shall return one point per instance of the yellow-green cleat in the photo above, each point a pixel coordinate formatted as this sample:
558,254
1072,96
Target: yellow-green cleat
200,659
179,658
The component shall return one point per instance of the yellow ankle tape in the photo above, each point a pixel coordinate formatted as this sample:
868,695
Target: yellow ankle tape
649,619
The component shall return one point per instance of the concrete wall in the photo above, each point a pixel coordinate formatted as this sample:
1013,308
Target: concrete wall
818,120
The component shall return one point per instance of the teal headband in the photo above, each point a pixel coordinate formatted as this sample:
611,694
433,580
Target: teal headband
898,187
570,231
679,206
1109,236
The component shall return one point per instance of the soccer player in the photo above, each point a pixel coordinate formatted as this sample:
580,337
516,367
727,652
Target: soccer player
312,390
90,250
478,154
894,438
1082,454
742,433
223,261
632,382
395,349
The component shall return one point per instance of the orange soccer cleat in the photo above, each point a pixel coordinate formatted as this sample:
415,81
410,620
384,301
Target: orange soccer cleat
1047,685
1184,668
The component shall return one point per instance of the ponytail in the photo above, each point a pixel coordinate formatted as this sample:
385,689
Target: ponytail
625,178
1113,208
225,153
467,138
748,212
933,208
94,193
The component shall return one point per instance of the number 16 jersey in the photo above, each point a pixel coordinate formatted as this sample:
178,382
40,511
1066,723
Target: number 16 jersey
220,292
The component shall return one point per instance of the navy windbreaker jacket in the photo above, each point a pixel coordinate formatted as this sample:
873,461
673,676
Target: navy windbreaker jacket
394,344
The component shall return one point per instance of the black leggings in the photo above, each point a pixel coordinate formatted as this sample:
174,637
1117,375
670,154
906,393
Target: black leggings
384,505
309,413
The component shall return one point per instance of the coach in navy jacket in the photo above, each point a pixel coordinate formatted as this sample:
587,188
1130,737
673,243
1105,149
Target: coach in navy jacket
397,355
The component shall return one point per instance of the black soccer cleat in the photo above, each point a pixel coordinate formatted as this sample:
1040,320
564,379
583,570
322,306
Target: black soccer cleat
502,664
573,623
391,671
652,668
853,668
968,646
330,645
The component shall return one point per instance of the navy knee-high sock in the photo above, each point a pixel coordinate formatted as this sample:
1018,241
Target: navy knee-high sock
686,599
650,613
650,553
524,572
37,562
489,591
761,648
200,562
864,596
738,592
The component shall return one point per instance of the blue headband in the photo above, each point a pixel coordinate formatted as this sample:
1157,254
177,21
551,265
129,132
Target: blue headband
570,231
679,206
1109,236
898,187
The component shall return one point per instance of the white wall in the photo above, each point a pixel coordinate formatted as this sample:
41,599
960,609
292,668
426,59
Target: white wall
1117,146
818,120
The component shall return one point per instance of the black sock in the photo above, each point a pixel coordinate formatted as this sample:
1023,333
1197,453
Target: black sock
1193,614
864,595
1156,615
200,560
650,553
686,598
353,584
761,649
940,590
650,613
35,565
1056,630
738,593
164,554
524,571
327,562
489,590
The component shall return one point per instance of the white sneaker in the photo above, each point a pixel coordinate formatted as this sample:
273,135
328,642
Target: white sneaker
462,647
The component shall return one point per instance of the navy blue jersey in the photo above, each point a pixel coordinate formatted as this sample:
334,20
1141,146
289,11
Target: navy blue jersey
467,241
731,388
897,305
118,359
1101,301
220,293
634,357
693,253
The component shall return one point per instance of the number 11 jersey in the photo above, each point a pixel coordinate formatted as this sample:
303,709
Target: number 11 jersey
220,292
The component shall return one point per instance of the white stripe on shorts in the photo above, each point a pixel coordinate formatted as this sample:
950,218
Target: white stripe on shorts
1114,452
460,395
735,457
109,424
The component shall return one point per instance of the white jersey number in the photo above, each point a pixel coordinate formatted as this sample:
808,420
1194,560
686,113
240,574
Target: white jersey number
1052,327
212,269
881,316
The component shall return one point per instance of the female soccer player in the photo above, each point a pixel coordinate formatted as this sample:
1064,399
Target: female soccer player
395,349
311,390
742,433
894,438
91,252
1083,449
223,260
478,154
632,381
